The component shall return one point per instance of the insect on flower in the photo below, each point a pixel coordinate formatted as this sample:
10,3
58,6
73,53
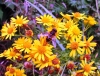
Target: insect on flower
51,34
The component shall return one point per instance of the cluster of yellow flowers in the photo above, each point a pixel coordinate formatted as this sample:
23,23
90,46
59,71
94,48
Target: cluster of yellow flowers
39,51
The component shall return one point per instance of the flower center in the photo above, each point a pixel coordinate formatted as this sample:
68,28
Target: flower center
87,44
10,30
87,68
12,70
77,14
27,45
74,45
45,20
68,25
76,31
41,49
19,21
12,53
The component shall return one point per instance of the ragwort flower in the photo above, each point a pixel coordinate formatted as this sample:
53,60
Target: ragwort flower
19,21
24,44
41,49
45,20
8,30
87,68
89,45
75,47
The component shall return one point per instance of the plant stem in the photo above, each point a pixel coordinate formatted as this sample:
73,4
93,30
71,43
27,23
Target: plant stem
41,12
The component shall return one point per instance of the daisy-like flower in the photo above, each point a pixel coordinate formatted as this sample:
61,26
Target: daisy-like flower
11,71
69,23
87,68
45,20
19,21
11,53
20,72
45,63
78,15
89,45
75,32
24,44
42,49
90,21
75,47
8,30
66,16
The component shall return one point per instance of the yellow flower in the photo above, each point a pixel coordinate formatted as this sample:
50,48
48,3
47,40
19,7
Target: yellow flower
45,63
75,32
30,56
75,46
20,72
19,21
11,71
11,53
89,45
58,26
87,67
69,23
90,21
24,44
78,15
8,30
41,50
66,16
45,20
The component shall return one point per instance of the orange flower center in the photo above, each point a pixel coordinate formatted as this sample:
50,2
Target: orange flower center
87,44
41,49
77,14
12,53
27,45
87,68
19,21
55,61
45,20
10,30
68,25
12,70
74,45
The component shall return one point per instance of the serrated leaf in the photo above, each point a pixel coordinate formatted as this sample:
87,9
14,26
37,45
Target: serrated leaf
1,14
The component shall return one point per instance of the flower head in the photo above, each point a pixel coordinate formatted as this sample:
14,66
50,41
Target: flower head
75,46
89,45
78,15
24,44
87,68
41,49
11,71
90,21
19,21
11,54
8,30
75,32
45,20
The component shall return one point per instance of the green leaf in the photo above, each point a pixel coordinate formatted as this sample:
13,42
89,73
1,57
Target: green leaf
1,13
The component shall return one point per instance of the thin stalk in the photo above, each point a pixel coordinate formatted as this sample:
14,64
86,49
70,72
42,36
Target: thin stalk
41,12
63,70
